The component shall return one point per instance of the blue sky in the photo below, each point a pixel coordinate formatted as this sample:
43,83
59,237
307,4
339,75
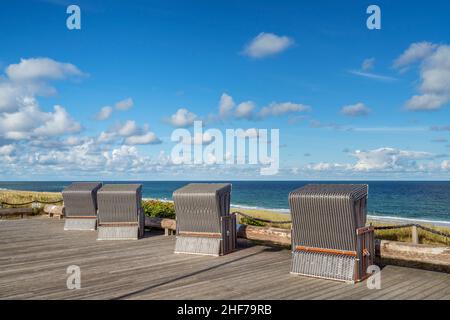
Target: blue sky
350,103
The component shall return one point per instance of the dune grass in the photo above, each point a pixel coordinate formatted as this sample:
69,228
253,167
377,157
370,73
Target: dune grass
16,197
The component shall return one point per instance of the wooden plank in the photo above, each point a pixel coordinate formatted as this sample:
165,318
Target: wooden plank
36,253
15,211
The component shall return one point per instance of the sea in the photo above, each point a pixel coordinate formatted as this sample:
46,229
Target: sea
421,201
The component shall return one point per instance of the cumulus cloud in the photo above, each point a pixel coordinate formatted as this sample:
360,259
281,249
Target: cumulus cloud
40,68
124,104
21,117
434,84
388,159
226,104
277,109
7,150
416,52
146,138
182,118
58,122
128,133
30,122
104,113
127,129
355,110
267,44
199,139
245,110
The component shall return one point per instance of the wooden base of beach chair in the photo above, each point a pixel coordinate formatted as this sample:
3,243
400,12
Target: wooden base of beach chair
198,245
125,232
82,224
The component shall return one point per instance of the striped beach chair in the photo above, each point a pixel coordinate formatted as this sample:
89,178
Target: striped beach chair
329,236
204,223
80,202
120,213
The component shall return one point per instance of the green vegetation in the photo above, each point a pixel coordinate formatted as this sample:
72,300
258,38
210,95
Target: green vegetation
17,197
160,209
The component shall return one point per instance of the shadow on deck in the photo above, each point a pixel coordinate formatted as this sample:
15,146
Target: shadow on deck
36,253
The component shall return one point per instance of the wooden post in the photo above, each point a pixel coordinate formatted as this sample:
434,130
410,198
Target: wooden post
414,235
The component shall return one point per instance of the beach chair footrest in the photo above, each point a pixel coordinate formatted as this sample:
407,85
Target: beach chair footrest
118,232
80,224
198,245
324,265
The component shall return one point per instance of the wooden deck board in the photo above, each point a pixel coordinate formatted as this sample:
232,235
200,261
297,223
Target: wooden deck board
36,252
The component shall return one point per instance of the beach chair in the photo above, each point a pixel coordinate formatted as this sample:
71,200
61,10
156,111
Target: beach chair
204,223
120,214
329,236
80,202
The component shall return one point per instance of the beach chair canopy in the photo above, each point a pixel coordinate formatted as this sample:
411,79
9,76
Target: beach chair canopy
119,202
80,199
199,207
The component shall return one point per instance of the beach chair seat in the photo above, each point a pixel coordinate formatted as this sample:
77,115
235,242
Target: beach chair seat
120,213
204,223
80,202
329,236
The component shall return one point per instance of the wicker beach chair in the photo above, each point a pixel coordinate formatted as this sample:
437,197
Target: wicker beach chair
329,237
120,214
204,223
80,201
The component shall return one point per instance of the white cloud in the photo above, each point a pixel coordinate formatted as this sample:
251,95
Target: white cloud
146,138
267,44
277,109
416,52
7,150
182,118
324,166
426,102
368,64
434,85
388,159
127,129
104,113
226,104
445,165
30,122
39,69
199,139
58,123
124,104
245,110
355,110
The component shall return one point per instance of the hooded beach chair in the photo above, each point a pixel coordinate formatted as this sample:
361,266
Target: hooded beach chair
204,223
329,236
80,202
120,214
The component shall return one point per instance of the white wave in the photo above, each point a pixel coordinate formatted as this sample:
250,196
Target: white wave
260,208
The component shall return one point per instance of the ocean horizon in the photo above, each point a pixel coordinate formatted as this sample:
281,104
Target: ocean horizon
423,201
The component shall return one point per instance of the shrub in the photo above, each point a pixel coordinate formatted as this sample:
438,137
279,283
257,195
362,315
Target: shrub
160,209
252,222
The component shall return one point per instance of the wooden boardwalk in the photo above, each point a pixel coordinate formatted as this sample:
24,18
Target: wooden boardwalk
35,253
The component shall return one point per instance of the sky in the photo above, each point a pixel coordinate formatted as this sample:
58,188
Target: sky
102,102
